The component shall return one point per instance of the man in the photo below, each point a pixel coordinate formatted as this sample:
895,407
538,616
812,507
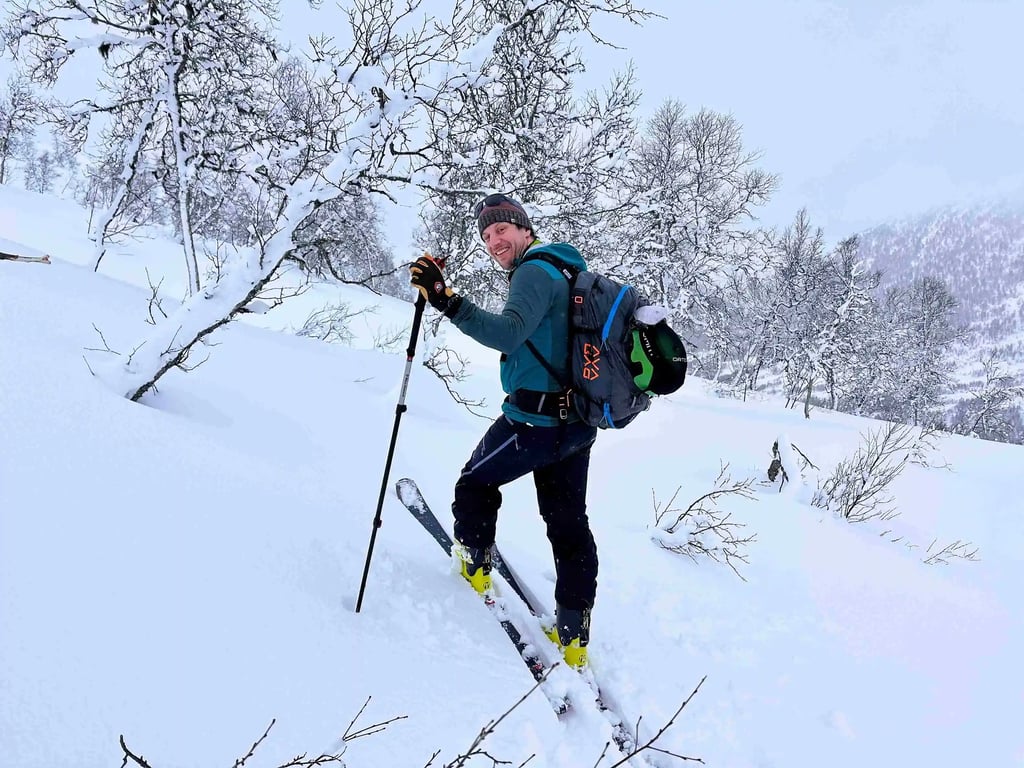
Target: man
538,430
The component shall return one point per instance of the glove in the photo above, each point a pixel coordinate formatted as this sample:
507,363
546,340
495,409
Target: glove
427,277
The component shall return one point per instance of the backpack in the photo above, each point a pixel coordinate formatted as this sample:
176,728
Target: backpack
602,335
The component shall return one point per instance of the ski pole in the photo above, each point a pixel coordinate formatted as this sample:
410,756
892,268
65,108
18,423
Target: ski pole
410,352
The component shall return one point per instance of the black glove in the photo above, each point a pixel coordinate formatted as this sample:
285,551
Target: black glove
427,277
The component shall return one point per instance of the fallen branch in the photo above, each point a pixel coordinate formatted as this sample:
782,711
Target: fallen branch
34,259
702,528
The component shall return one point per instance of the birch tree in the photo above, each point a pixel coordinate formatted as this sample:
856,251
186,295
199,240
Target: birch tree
527,134
174,71
924,332
806,316
18,110
991,409
397,71
696,189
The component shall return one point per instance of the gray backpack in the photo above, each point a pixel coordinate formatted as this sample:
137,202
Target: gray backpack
601,346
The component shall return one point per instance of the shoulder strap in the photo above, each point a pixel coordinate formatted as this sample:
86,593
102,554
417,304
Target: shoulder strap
537,253
547,366
569,273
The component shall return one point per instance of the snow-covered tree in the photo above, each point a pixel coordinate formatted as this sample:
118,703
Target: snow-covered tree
177,76
803,315
397,71
694,189
39,171
915,342
344,240
102,189
992,408
528,135
19,108
840,346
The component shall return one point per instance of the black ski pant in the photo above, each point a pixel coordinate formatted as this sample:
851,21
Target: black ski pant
559,458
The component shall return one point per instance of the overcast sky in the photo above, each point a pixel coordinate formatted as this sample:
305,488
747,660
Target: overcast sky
867,109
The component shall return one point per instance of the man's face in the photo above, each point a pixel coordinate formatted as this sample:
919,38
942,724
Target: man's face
506,242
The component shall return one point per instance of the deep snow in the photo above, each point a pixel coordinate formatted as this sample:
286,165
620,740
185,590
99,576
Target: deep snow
183,570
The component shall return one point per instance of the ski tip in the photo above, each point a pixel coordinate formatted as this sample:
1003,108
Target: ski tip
408,492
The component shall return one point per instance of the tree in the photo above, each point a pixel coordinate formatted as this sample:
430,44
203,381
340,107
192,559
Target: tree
991,411
694,189
526,134
849,309
19,109
398,72
803,312
344,240
179,77
922,318
39,170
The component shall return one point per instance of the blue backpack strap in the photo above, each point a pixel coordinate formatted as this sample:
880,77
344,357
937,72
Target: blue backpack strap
556,268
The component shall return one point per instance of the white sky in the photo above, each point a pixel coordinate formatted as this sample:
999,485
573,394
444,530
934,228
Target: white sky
184,570
868,109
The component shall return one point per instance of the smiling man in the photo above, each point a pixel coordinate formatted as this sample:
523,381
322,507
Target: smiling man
538,431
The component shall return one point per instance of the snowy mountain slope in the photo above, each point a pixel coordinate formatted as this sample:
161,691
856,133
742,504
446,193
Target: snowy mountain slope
183,570
978,251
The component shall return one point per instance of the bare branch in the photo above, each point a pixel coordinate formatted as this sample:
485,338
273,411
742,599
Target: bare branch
368,730
857,489
650,742
255,745
958,549
450,367
475,748
129,755
702,529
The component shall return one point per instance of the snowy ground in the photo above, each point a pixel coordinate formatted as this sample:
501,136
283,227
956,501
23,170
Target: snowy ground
185,570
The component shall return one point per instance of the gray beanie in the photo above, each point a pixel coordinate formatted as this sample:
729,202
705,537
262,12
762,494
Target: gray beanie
505,209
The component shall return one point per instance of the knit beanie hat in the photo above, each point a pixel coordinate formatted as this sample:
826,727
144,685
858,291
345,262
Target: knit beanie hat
495,208
659,359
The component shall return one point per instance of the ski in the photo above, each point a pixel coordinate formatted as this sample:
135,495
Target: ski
410,496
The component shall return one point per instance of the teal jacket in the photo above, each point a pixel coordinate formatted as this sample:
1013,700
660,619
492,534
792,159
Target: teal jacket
537,309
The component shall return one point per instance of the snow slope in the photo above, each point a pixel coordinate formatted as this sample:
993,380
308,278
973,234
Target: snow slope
184,570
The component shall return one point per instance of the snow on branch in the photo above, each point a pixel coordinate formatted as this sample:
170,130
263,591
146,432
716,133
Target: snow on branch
702,529
859,487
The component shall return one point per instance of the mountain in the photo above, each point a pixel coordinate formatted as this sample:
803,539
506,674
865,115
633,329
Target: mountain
978,251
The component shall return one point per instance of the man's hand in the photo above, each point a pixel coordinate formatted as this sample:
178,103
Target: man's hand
427,277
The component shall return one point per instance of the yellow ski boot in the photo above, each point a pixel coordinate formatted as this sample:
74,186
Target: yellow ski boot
571,634
474,564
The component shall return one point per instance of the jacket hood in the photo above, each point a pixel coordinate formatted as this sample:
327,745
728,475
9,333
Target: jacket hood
564,252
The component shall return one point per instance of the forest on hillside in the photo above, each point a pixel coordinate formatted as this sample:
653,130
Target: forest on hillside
256,159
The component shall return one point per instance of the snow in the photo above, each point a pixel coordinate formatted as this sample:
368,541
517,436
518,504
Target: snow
184,570
17,249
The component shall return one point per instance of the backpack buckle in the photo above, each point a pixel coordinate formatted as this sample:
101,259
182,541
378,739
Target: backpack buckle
563,406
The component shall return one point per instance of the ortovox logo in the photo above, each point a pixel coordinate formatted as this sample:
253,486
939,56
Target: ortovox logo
591,362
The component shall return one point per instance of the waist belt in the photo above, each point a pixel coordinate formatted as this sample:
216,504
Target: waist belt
557,404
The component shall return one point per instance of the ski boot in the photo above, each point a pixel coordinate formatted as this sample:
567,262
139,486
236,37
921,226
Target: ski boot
571,634
474,563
